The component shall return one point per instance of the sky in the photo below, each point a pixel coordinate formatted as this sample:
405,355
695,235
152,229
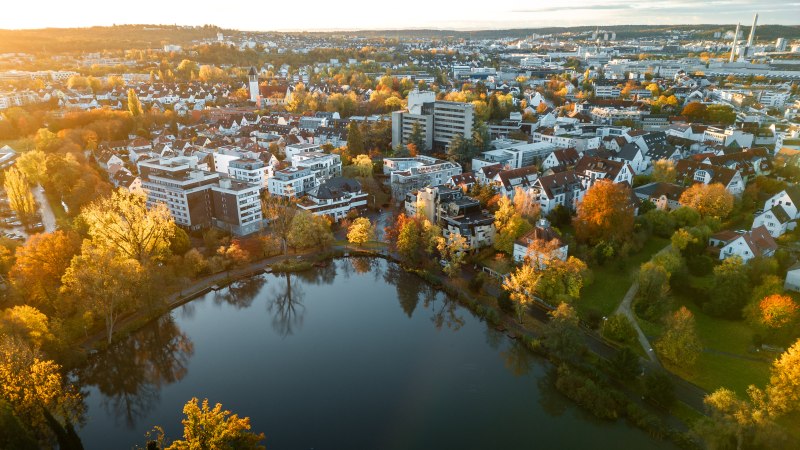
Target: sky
266,15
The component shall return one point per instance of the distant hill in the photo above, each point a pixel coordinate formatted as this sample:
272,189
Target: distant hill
118,37
121,37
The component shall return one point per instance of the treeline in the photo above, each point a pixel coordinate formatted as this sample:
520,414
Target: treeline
95,39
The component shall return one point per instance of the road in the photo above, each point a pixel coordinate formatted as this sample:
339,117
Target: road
48,218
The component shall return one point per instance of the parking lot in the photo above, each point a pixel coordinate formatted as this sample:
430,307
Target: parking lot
10,225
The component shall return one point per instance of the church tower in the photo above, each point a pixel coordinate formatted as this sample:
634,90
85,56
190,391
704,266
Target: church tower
253,85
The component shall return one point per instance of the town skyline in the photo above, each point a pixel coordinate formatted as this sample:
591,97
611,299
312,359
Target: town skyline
470,17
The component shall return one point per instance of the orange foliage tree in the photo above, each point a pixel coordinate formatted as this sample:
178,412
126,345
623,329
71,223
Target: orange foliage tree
710,200
777,311
605,214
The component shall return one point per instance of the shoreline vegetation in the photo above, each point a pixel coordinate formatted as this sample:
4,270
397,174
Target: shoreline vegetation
587,379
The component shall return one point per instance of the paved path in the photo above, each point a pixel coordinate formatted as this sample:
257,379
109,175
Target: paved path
624,308
48,218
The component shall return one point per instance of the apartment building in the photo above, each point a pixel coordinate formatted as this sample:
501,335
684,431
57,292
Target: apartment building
323,165
438,121
292,182
335,198
196,198
249,171
408,174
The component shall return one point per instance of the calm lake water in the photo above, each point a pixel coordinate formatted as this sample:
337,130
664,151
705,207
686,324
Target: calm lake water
358,355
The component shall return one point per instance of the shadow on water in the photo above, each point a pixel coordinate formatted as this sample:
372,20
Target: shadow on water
131,373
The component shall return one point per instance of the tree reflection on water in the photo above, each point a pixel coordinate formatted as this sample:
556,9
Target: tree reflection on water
286,306
131,372
240,293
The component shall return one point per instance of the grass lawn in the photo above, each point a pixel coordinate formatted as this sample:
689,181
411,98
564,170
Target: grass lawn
612,280
499,262
726,362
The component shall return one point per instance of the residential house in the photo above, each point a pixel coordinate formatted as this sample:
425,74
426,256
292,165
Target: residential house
546,237
744,244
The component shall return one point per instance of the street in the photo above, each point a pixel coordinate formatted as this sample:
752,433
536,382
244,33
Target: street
48,218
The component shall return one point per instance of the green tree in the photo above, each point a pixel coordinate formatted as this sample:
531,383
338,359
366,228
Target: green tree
20,198
134,105
680,345
355,141
562,334
659,389
214,428
653,290
731,289
625,364
417,137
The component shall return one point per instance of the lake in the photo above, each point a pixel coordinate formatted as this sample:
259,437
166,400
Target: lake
356,355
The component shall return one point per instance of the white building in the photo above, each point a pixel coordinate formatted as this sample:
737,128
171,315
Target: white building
292,182
335,198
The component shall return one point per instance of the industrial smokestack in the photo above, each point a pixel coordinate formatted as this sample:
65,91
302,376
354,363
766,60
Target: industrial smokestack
735,42
752,31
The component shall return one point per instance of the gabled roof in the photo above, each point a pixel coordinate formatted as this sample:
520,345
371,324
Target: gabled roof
609,167
657,189
559,183
686,169
524,176
540,233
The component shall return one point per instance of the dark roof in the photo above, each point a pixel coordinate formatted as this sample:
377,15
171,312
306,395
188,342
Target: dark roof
338,187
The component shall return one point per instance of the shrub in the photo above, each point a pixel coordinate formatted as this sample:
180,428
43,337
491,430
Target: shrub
659,389
618,328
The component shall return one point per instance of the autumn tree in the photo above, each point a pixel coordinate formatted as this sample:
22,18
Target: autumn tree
214,428
411,237
125,225
27,323
453,250
20,198
134,104
32,164
509,225
360,231
362,165
562,281
280,212
680,345
777,311
694,111
710,200
39,265
526,205
38,393
664,171
605,214
784,383
732,422
308,230
521,287
105,282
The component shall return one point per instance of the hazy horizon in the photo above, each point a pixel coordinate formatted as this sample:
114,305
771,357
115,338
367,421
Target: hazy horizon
319,15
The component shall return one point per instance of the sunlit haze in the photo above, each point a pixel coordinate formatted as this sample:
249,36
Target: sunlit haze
348,14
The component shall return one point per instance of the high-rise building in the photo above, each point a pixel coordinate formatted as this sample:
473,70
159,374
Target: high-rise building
780,44
438,122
